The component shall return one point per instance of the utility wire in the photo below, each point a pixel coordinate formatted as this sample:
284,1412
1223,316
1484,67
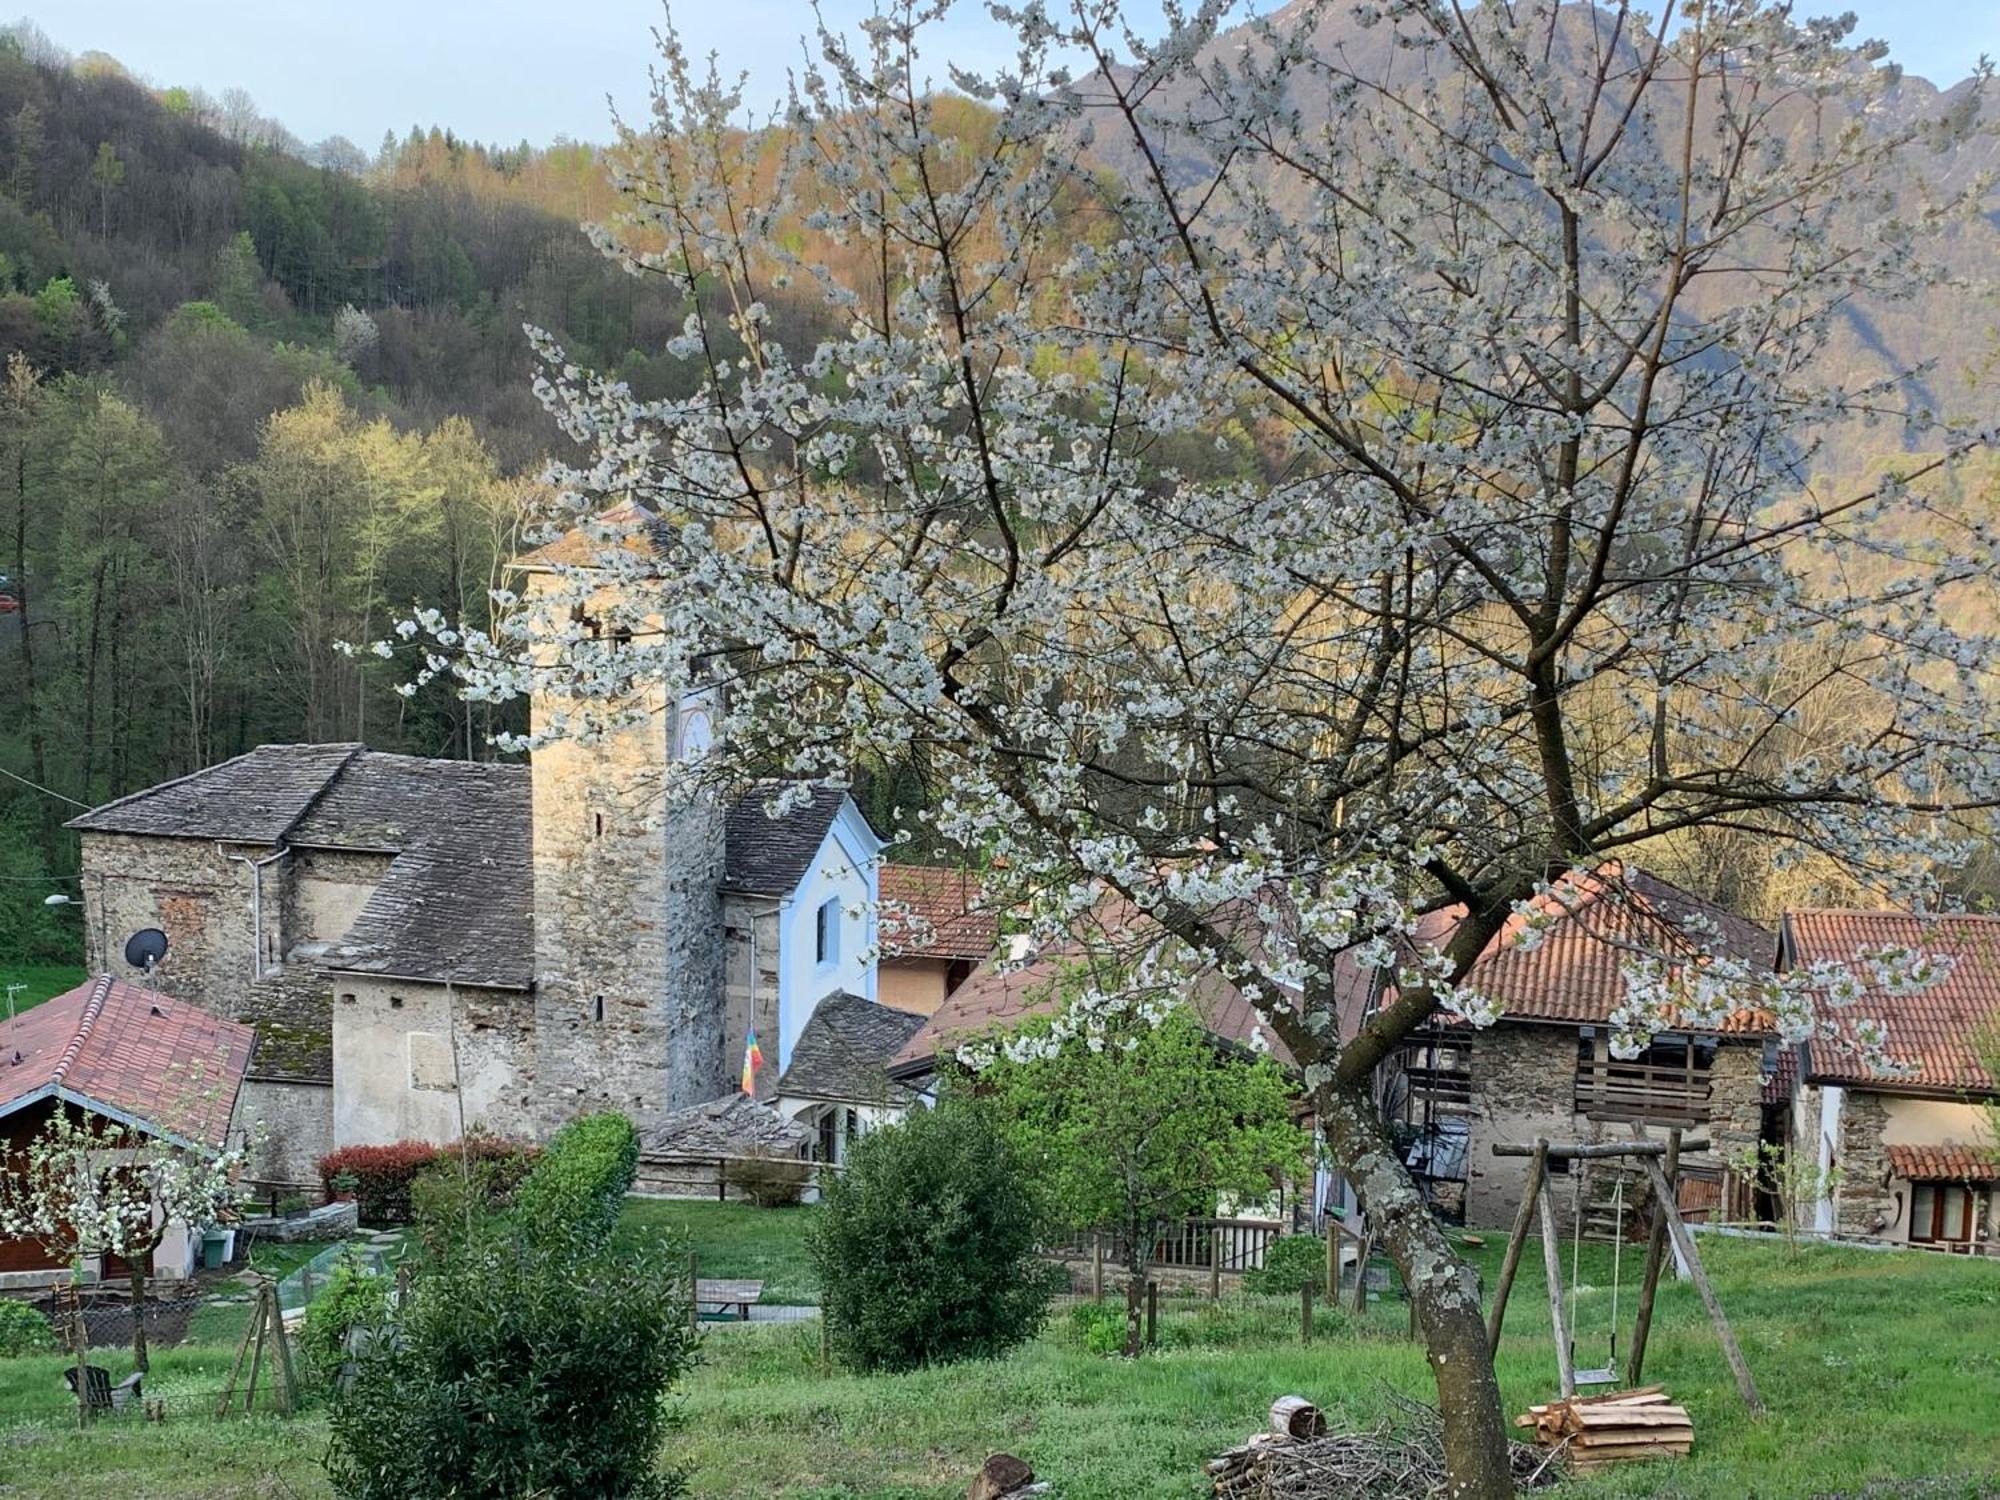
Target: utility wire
45,791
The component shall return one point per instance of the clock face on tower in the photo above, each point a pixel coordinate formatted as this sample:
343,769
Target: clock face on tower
695,733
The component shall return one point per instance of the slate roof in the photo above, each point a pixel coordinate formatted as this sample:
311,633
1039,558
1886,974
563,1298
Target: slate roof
769,856
132,1054
257,798
1936,1033
930,912
844,1049
457,903
1943,1163
1573,976
733,1125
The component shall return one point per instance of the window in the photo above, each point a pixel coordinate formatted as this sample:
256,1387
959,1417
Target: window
597,825
1438,1063
597,1008
395,1002
826,932
346,999
1940,1213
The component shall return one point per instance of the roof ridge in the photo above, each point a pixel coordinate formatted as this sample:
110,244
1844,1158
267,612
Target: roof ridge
355,750
93,1007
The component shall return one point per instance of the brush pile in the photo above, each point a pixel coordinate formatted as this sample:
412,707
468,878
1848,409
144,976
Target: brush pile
1400,1460
1592,1431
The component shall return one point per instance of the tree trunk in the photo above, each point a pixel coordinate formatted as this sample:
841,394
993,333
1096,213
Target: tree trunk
139,1317
1135,1311
1444,1294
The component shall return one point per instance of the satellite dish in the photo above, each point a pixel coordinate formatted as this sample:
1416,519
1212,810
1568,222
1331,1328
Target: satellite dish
145,948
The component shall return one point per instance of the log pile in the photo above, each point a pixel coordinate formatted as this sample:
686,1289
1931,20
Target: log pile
1404,1461
1593,1431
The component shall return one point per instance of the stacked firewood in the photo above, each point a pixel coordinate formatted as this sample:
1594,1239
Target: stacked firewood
1299,1460
1596,1430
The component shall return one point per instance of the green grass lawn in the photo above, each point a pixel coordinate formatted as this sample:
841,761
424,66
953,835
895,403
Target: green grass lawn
41,981
1880,1370
734,1240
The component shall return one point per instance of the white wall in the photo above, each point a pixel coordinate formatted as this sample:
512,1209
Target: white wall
843,870
395,1066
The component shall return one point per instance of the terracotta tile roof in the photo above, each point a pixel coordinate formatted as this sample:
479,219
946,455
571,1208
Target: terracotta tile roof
151,1061
929,912
1573,976
1002,994
1784,1079
1936,1033
1943,1163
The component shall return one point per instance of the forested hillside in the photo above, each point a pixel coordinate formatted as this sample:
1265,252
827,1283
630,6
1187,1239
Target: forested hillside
253,406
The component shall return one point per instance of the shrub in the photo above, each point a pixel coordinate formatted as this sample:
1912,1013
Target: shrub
1290,1262
925,1245
578,1186
772,1181
382,1176
379,1178
520,1369
352,1299
23,1330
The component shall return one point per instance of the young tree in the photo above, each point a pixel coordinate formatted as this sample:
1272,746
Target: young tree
1525,307
1134,1123
90,1187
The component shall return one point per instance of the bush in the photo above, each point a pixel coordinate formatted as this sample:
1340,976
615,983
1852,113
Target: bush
379,1178
925,1245
578,1186
23,1330
352,1299
382,1176
772,1181
520,1369
1290,1262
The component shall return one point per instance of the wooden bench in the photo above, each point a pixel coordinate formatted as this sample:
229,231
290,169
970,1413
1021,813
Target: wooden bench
725,1295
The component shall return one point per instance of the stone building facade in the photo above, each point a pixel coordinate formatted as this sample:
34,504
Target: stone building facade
1905,1155
1545,1069
424,946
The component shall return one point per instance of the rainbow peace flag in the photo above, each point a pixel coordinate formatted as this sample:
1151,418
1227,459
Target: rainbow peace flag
753,1059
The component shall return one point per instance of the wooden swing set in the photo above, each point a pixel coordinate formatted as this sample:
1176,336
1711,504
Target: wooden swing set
1667,1222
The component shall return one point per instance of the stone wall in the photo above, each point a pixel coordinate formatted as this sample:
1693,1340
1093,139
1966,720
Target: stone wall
295,1121
418,1061
750,925
1524,1087
201,895
629,951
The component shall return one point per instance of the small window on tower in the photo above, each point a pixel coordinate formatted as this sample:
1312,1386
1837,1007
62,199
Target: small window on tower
826,932
621,637
597,1008
395,1002
597,825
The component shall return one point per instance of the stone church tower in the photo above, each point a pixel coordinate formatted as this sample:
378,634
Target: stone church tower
629,945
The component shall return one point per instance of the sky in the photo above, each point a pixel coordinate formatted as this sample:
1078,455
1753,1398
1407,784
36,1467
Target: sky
511,70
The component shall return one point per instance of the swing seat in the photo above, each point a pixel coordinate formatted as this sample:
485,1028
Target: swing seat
1606,1376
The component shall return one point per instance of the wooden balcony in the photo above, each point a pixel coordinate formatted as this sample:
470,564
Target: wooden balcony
1612,1090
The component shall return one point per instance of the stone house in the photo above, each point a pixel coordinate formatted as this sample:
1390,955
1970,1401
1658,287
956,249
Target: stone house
1545,1067
1914,1150
127,1055
836,1083
424,946
936,930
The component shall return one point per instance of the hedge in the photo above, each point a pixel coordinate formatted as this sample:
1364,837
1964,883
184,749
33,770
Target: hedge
578,1186
383,1174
